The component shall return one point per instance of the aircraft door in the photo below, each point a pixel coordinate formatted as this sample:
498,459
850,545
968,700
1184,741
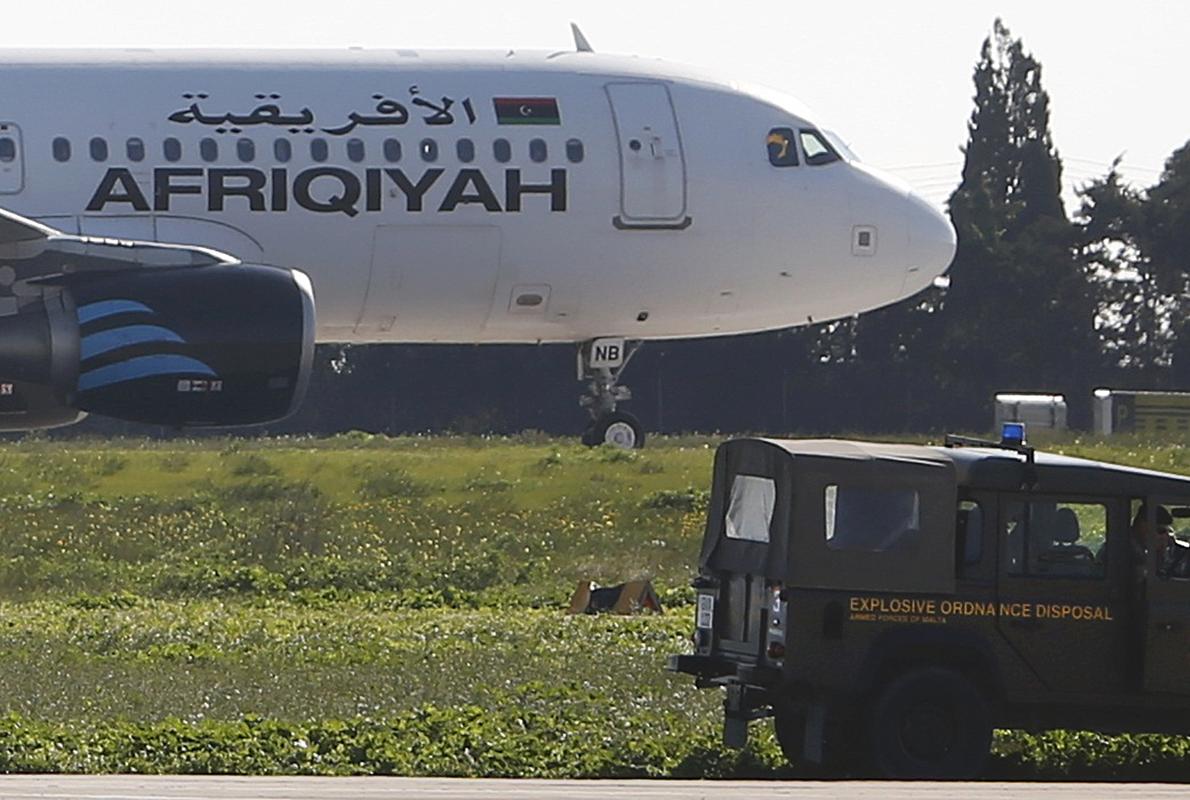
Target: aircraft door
652,166
431,282
12,159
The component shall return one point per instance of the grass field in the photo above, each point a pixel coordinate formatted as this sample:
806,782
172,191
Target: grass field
362,604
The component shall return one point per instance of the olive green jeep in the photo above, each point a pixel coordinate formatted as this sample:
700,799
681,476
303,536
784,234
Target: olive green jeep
890,604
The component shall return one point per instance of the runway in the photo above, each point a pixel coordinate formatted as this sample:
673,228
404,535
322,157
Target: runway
131,787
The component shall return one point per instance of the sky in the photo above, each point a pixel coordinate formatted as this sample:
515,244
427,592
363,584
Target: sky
892,78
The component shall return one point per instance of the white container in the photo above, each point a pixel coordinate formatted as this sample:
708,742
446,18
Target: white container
1037,411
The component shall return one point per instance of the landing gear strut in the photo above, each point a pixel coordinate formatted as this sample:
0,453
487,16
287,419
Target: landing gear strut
600,364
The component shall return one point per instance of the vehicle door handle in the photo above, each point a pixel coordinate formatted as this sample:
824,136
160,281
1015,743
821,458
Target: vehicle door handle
1027,624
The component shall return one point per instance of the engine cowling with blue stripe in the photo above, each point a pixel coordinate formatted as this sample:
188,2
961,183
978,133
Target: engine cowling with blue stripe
219,345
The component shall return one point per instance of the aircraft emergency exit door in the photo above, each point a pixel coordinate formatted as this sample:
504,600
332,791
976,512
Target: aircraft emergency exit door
652,166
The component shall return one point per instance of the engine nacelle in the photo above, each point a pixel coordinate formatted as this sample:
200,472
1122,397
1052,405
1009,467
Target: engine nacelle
216,345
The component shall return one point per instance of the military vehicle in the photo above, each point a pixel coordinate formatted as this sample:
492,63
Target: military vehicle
890,604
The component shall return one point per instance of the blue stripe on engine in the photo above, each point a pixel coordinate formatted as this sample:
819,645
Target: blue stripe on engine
109,308
142,367
115,338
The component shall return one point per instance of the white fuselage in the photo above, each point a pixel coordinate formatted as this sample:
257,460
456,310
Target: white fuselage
535,197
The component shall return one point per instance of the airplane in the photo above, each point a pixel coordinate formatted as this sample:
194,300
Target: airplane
179,227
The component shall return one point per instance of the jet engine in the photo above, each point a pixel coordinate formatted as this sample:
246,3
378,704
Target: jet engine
214,345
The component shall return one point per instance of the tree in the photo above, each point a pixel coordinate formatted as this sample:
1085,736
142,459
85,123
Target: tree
1019,313
1133,312
1164,240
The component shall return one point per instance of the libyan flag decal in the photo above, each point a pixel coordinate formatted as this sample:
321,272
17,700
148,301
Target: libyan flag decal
527,111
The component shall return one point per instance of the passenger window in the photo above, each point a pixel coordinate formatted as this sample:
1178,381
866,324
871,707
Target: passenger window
98,149
574,151
502,151
818,150
538,151
172,149
1048,538
465,150
969,533
781,146
429,150
392,150
871,520
246,150
750,512
8,149
282,150
319,150
208,149
135,149
355,150
61,149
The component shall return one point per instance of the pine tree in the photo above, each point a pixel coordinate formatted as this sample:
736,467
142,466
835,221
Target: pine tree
1019,313
1132,309
1165,242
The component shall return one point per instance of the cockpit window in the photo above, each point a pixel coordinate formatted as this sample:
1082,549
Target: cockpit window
818,149
841,147
782,150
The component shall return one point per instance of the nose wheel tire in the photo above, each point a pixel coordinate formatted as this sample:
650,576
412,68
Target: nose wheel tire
619,429
930,723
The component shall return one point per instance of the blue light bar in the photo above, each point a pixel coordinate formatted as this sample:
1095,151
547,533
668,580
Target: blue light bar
1012,433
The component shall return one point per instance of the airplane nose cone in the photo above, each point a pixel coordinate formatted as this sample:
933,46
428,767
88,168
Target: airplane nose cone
931,242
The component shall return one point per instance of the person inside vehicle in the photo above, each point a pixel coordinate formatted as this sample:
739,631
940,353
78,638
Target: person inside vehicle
1173,555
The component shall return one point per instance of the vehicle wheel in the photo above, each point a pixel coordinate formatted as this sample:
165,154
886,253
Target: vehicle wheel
789,724
619,429
930,723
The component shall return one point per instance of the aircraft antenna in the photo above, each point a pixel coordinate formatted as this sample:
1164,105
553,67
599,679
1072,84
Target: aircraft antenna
580,42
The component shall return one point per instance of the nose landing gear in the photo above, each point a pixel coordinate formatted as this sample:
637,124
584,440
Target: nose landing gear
600,364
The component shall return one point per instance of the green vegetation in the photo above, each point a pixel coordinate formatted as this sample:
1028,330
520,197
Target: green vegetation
370,605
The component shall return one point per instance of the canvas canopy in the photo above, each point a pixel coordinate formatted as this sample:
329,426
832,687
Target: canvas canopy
833,514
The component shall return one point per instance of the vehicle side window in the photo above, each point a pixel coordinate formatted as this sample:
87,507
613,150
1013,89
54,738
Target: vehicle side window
969,534
782,148
871,520
282,150
135,149
750,512
1048,538
319,150
61,149
98,149
355,150
502,150
171,149
574,151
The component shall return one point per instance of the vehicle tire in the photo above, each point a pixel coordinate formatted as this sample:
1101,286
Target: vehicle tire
789,723
930,723
619,429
